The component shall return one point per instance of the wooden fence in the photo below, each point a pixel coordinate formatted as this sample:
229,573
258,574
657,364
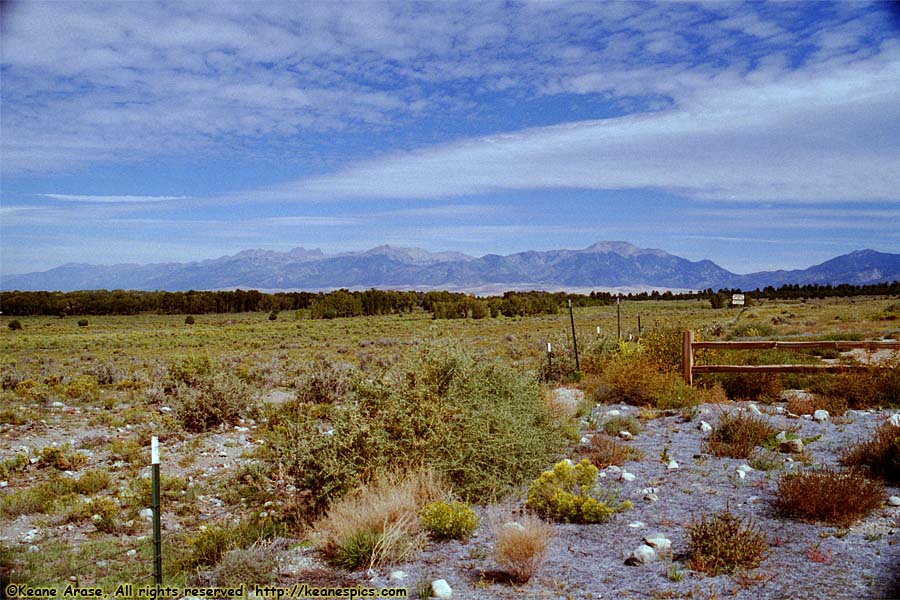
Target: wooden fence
689,345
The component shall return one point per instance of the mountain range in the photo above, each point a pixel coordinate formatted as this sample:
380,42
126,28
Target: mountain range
602,266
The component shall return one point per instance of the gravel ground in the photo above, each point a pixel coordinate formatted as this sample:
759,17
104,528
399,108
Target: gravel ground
587,561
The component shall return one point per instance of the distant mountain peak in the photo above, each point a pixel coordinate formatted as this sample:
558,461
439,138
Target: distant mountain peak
623,249
604,265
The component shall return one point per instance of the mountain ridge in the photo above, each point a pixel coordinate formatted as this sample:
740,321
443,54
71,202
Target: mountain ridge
603,265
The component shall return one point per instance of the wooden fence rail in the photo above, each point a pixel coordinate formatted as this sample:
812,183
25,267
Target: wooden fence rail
689,345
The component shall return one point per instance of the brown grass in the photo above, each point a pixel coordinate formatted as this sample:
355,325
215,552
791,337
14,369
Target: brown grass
737,434
379,523
725,542
836,496
520,549
606,451
807,405
880,454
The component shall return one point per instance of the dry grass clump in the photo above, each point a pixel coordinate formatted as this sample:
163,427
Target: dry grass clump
836,496
520,546
379,523
605,451
880,454
807,405
737,434
725,542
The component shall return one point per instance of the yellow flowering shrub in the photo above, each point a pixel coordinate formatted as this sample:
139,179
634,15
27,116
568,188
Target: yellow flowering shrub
570,493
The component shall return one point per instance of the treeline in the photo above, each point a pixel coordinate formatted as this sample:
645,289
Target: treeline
345,303
340,303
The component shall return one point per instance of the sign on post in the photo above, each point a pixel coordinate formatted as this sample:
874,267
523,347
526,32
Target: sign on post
737,299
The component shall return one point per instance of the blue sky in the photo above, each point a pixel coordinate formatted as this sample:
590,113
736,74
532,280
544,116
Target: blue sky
758,135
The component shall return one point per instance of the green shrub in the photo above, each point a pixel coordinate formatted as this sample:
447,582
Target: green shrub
614,425
189,370
605,451
189,320
481,424
60,458
82,322
238,566
725,542
449,520
880,454
222,398
837,496
323,384
93,481
83,387
14,325
571,494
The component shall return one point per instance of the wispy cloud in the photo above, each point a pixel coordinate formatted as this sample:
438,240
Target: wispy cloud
828,135
112,199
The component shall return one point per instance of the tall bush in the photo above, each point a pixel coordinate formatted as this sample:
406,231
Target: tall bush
480,424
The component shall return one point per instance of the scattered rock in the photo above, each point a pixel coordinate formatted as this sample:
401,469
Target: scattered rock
660,543
165,409
894,501
821,415
57,405
441,589
650,494
782,435
754,409
626,476
673,465
745,469
613,413
30,536
704,427
636,525
397,576
641,555
513,525
626,435
791,446
895,420
3,484
586,439
146,513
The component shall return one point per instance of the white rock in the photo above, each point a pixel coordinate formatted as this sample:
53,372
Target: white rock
673,465
658,542
821,415
626,435
569,462
165,409
585,440
34,549
741,474
131,552
441,589
30,536
745,468
57,405
397,576
754,409
372,574
626,476
894,501
146,513
613,413
704,427
613,469
807,417
895,420
513,525
780,410
641,555
636,524
3,484
782,435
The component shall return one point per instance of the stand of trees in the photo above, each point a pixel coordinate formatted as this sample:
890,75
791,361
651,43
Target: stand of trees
344,303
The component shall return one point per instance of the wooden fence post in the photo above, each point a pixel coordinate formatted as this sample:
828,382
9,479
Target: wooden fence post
687,356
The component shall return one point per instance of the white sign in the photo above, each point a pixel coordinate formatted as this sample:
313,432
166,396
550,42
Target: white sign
737,299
